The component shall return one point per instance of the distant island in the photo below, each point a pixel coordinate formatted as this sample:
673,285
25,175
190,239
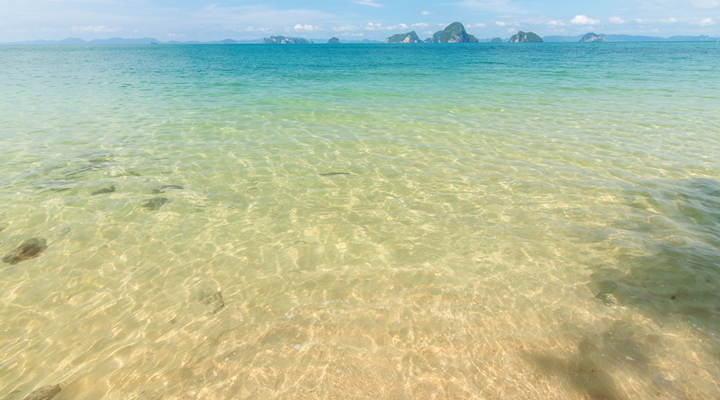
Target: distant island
453,33
592,38
286,40
629,38
525,37
410,37
334,40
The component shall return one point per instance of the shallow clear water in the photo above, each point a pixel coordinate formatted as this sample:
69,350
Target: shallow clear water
380,221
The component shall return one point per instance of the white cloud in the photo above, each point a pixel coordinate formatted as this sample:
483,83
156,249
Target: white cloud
306,28
379,27
556,23
584,20
345,28
705,3
420,25
617,20
706,22
477,25
254,29
500,23
370,3
95,29
669,20
425,13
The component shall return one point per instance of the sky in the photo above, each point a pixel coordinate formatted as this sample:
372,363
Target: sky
185,20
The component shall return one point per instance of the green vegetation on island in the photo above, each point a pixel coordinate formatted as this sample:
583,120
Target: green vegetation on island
334,40
410,37
525,37
496,40
592,38
454,33
286,40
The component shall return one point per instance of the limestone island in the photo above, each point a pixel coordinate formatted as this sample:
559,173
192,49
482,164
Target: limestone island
592,38
334,40
410,37
525,37
286,40
454,33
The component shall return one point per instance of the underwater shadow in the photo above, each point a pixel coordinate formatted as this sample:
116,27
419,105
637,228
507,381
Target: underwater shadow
680,278
664,265
590,369
582,371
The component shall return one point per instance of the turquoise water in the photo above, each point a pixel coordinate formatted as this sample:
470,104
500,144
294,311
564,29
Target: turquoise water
361,221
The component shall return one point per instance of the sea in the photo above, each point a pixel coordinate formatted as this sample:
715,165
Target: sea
360,221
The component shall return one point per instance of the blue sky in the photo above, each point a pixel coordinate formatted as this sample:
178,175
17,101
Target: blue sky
185,20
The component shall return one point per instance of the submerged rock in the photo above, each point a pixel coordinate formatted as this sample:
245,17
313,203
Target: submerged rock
162,189
79,171
155,203
44,393
110,189
606,288
334,173
29,249
55,186
100,159
122,172
212,298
